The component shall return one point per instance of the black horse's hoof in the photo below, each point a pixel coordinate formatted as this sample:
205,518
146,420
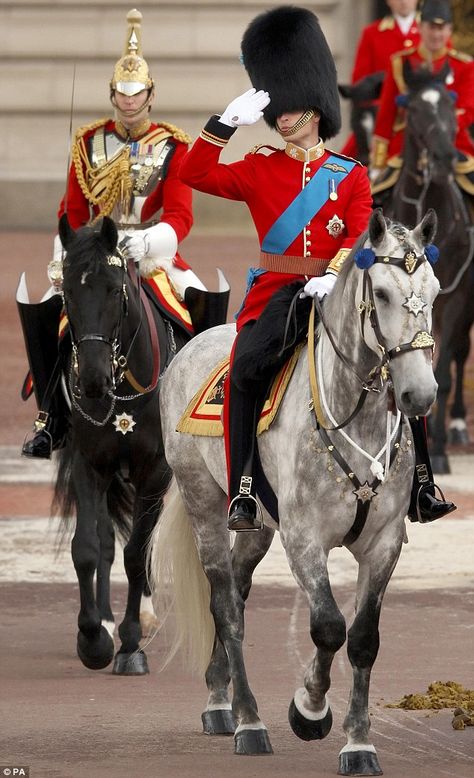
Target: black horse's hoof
252,742
458,436
309,729
440,464
95,652
218,722
134,663
359,763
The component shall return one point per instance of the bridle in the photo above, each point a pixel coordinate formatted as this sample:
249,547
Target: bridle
119,362
367,310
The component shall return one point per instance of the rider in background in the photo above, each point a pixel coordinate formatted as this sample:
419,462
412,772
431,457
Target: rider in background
126,168
377,43
433,53
309,205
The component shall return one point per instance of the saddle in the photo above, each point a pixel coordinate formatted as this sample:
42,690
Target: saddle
203,415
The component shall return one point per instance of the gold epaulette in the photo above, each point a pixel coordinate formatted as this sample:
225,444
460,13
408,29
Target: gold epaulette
256,149
81,131
397,67
344,156
176,132
460,55
387,23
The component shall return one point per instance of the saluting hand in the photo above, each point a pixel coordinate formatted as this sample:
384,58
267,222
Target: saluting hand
245,109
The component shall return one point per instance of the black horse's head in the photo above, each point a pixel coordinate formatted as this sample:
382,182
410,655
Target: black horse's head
363,110
94,299
431,120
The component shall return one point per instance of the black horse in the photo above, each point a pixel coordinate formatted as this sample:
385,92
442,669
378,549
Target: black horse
363,110
427,180
113,469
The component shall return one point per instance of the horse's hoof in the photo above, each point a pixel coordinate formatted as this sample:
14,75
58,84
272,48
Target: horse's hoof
359,763
134,663
97,652
458,437
218,722
309,729
440,464
252,742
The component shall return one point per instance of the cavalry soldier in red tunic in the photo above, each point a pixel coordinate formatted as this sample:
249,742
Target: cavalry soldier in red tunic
309,206
434,53
378,41
125,167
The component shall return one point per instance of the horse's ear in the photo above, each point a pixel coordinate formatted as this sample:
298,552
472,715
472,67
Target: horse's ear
408,73
345,90
425,231
441,76
377,227
66,233
109,234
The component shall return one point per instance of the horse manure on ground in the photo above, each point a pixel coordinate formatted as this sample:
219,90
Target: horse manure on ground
443,694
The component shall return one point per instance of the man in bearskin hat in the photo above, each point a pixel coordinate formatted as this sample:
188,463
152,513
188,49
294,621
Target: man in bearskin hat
125,167
309,206
433,53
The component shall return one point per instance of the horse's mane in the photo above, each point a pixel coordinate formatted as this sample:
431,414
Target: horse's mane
87,251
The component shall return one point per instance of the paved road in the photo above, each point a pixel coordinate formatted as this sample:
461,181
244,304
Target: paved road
67,722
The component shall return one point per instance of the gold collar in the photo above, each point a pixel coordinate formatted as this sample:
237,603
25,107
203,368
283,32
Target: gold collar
305,155
431,56
134,132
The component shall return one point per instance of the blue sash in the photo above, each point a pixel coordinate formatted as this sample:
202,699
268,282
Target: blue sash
305,206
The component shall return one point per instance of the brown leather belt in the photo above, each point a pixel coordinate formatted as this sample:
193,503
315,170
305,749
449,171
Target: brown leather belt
300,266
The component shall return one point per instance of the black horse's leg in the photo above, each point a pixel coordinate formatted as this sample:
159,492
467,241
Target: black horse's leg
458,433
439,460
247,552
95,646
130,660
106,534
359,757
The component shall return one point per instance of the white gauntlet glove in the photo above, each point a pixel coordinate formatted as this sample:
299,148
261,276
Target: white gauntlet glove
153,247
319,286
245,109
55,267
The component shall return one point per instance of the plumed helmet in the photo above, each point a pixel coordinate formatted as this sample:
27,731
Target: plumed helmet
436,11
286,54
131,74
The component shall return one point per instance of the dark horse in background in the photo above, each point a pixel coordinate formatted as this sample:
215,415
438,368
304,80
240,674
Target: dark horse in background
363,111
113,469
427,180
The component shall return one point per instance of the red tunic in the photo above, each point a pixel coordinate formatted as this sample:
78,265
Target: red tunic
268,183
171,194
389,128
377,43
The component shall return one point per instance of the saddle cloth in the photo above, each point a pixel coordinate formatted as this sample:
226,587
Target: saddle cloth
203,415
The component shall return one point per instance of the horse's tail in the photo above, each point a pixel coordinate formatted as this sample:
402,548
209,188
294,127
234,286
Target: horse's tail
178,583
120,498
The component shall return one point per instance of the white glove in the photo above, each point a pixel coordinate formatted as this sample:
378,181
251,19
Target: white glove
374,173
319,286
155,243
245,109
55,267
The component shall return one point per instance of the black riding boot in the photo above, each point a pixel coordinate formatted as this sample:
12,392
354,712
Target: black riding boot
245,514
424,505
49,435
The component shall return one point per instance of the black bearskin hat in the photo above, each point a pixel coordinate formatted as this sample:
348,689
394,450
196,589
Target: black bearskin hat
286,54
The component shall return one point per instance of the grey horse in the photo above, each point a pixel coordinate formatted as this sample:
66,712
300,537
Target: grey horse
375,342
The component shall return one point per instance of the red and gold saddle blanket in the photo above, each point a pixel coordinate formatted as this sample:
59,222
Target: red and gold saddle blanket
203,416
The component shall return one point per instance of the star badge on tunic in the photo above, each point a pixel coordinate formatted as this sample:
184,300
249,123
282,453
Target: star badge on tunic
335,226
365,493
415,304
124,423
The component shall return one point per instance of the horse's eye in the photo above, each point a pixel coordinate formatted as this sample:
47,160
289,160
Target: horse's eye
381,295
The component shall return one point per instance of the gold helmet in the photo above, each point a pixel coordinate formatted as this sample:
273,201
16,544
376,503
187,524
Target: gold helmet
131,74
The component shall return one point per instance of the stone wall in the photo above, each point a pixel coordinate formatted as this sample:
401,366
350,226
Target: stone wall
55,54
